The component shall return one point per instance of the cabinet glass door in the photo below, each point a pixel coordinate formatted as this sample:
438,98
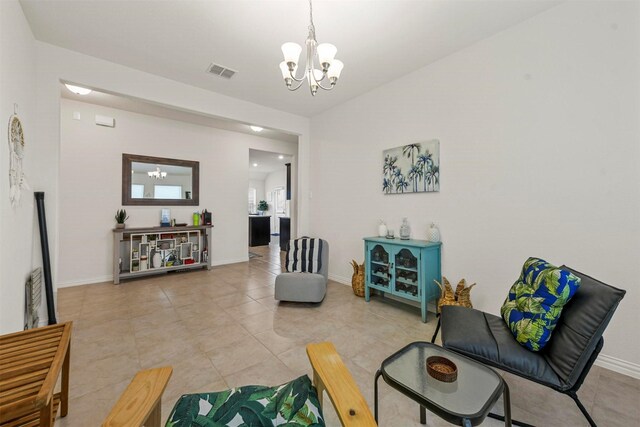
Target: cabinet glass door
406,272
379,266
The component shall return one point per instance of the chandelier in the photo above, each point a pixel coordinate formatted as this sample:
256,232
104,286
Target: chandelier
324,53
157,174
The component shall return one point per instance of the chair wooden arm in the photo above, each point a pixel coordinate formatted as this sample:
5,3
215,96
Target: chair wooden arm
331,374
140,403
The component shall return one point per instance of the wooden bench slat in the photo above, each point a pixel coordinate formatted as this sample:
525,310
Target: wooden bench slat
33,418
31,334
18,393
48,343
17,381
18,370
30,355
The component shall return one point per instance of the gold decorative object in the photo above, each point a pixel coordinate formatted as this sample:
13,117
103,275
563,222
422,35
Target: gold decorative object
357,280
461,296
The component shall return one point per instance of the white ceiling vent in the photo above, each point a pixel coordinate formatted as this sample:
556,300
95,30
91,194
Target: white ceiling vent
221,71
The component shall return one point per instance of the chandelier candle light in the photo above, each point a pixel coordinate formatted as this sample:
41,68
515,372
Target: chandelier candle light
324,53
157,174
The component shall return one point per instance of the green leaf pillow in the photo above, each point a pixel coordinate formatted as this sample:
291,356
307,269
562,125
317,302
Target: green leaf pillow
294,404
535,302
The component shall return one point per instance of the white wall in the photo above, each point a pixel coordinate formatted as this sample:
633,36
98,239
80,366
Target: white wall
91,159
539,138
55,64
18,228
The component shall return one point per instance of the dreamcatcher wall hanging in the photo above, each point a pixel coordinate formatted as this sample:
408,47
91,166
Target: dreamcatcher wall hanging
17,181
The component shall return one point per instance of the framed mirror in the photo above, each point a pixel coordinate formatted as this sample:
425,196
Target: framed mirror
158,181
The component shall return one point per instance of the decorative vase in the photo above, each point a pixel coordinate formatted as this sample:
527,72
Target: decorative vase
357,280
119,225
382,229
405,230
433,234
157,260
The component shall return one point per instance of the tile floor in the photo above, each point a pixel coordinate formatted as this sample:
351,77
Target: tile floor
222,328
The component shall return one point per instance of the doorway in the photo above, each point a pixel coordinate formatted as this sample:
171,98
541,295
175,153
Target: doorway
269,199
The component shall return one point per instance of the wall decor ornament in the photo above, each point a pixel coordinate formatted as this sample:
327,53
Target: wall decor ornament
405,230
433,234
382,229
412,168
17,181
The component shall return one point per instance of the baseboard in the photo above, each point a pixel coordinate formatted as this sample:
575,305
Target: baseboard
431,307
618,365
109,278
90,281
229,261
340,279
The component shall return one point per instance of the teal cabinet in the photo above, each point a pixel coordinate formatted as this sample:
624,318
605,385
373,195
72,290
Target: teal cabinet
404,268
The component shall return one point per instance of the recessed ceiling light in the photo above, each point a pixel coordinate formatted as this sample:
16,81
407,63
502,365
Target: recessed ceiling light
255,165
281,157
256,128
78,90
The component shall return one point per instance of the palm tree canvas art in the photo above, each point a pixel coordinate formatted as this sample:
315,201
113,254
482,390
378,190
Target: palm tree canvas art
412,168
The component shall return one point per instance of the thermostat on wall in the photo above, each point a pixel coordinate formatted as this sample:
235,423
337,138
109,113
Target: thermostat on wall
105,121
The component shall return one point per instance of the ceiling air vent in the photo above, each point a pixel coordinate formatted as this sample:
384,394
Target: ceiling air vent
221,71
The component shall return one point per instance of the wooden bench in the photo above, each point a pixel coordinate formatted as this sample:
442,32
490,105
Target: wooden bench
30,363
140,404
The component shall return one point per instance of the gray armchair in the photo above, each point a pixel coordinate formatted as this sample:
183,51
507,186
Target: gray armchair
305,287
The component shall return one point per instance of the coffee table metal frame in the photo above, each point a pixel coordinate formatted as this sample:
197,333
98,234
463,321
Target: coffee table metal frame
444,413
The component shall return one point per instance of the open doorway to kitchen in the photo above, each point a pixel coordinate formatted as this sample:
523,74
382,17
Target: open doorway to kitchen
269,199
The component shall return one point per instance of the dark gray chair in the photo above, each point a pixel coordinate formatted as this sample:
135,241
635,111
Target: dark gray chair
564,362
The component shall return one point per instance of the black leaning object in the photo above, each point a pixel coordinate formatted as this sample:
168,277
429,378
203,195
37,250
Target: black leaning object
46,261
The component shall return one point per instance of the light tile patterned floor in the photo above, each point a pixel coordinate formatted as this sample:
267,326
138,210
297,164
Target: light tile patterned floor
222,328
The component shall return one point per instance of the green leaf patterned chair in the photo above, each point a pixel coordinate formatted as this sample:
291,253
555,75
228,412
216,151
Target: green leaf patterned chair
294,404
563,363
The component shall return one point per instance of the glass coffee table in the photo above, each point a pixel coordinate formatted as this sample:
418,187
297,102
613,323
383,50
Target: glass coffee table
466,401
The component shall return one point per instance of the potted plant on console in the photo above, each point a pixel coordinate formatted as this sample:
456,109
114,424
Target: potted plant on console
121,217
262,206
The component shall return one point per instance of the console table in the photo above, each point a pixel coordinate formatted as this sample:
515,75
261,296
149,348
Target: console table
404,268
30,363
158,250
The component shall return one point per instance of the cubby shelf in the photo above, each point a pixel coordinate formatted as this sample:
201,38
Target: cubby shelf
173,248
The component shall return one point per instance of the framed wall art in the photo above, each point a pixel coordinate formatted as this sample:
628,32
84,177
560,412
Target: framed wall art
412,168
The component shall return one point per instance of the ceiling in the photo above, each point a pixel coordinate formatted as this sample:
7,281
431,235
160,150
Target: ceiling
378,40
267,162
153,109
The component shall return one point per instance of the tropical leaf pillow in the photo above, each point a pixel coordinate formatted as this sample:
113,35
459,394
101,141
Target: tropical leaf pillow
535,302
294,404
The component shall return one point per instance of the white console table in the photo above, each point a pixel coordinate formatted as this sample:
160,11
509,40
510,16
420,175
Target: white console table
173,248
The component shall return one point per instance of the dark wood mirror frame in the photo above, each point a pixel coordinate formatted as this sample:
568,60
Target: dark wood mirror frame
127,159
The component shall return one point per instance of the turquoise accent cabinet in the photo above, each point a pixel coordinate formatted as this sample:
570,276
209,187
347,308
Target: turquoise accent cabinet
404,268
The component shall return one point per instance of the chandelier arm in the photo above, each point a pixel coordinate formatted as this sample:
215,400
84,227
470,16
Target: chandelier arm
291,88
325,88
293,77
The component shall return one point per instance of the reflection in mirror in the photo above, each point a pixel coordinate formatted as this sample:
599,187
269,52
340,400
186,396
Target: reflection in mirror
153,181
158,181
